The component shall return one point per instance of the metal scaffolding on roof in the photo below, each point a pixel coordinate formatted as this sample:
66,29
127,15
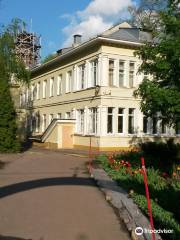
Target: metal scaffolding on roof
28,47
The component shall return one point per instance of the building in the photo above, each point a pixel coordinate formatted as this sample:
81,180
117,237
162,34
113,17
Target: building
84,96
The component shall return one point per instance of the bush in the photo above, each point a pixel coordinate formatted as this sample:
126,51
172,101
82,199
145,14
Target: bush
163,156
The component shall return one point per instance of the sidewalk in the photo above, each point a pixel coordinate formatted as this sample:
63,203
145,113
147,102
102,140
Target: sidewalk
48,195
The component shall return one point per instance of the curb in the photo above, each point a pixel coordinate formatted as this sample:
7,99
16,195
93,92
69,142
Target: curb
128,211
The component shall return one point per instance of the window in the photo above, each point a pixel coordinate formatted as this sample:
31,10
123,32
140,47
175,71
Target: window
121,73
145,124
43,122
131,74
44,88
94,72
110,120
163,126
38,91
59,85
68,115
59,116
37,118
93,120
120,120
131,121
154,125
69,82
80,121
111,72
177,127
51,116
51,94
81,76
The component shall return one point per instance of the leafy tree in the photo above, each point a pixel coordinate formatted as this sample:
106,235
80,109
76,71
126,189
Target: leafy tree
160,93
10,65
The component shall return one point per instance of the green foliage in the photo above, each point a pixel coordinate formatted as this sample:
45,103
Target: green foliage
8,129
10,65
164,193
161,60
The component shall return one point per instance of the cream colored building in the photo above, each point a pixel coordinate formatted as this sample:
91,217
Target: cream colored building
85,95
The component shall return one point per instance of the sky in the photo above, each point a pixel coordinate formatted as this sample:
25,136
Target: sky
58,20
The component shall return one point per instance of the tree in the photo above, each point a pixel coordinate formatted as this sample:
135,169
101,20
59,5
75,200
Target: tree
160,93
10,65
145,15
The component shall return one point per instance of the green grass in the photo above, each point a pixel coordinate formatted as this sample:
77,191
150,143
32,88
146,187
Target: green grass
164,193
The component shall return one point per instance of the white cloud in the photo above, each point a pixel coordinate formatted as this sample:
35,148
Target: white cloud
98,16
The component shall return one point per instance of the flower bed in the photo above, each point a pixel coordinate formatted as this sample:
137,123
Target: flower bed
164,188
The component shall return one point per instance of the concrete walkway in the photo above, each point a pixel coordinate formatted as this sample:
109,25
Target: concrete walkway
47,195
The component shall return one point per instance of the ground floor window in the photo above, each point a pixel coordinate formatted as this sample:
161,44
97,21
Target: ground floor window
93,120
120,120
43,122
131,121
145,124
59,115
51,116
68,115
154,125
110,120
80,121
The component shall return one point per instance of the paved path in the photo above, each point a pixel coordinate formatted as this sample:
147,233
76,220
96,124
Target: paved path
47,195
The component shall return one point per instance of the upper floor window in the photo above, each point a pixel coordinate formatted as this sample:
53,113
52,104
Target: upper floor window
110,120
44,88
121,73
38,91
131,74
94,72
93,120
51,87
69,82
131,120
111,72
59,84
81,76
120,120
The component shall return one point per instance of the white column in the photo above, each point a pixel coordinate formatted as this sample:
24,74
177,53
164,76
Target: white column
104,71
139,121
126,74
103,121
99,79
75,78
86,120
126,112
116,73
87,75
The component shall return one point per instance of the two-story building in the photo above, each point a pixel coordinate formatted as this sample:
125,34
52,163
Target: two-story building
85,95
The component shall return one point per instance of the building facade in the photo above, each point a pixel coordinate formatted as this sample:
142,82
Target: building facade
84,96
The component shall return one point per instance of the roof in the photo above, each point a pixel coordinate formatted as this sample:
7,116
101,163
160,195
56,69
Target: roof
120,34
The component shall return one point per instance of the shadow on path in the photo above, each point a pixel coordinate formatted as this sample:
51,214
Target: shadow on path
45,182
12,238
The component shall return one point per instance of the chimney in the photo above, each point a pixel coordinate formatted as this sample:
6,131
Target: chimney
77,40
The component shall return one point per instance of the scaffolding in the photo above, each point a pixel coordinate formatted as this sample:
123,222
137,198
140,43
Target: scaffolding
28,47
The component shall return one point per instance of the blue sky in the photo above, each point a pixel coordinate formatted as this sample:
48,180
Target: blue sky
56,21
